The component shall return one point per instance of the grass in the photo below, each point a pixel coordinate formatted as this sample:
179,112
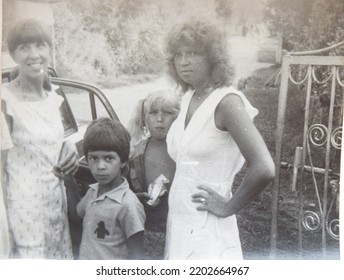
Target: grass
255,219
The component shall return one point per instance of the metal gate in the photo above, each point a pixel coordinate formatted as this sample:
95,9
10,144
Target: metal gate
315,166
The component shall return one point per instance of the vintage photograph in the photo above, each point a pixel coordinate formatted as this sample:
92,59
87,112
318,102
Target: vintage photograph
171,130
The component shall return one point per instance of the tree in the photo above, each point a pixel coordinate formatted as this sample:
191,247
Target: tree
306,24
95,62
117,37
310,25
327,24
224,9
7,18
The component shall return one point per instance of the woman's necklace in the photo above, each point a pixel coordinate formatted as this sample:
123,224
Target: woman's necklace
203,96
207,91
193,105
29,96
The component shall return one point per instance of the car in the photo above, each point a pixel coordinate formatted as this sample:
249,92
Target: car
83,102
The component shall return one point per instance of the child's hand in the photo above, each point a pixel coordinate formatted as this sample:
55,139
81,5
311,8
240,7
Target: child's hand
69,160
143,197
156,203
58,172
158,200
157,189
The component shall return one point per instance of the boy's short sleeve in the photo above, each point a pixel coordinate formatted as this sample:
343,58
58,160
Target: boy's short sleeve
132,218
81,206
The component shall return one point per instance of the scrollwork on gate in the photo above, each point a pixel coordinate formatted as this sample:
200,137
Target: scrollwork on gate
311,220
336,138
317,136
333,228
318,81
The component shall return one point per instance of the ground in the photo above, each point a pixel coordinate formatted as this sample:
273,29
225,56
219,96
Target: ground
255,220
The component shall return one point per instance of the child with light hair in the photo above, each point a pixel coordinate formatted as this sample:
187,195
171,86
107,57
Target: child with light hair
151,168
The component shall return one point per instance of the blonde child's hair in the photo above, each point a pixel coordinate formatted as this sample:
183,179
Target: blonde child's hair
136,126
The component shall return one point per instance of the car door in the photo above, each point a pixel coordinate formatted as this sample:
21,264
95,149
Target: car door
83,104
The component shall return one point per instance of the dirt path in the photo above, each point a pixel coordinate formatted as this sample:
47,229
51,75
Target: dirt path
124,99
244,53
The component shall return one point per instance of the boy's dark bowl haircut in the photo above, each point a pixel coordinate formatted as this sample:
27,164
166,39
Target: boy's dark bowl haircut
105,134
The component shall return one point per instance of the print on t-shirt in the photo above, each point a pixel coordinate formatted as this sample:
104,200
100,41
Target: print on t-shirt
101,231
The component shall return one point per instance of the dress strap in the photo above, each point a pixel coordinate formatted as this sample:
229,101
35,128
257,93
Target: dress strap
216,97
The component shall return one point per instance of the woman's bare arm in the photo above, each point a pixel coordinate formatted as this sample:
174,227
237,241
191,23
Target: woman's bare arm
231,116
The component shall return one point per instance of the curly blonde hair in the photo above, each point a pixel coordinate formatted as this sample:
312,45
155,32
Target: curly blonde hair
208,38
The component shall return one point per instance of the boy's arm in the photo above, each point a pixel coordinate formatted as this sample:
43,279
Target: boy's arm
132,221
135,246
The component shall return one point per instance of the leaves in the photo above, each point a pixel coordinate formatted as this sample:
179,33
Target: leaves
116,37
307,24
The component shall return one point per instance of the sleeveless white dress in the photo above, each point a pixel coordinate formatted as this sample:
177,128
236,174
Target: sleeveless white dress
208,156
36,198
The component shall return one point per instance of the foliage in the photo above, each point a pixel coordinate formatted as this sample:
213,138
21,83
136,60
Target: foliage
327,24
224,9
122,37
7,16
99,40
310,25
306,24
95,59
136,39
117,37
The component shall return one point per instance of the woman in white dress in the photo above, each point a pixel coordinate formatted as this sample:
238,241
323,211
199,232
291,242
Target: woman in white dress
210,140
35,194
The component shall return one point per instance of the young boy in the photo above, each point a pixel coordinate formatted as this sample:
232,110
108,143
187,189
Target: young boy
113,217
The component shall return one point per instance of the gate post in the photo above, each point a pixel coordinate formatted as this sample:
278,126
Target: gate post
282,104
318,140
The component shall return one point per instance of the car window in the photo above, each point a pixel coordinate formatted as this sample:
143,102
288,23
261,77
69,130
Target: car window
79,102
84,105
66,115
5,78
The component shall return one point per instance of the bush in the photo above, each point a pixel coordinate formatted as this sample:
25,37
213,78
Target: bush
80,53
307,24
105,41
102,40
310,25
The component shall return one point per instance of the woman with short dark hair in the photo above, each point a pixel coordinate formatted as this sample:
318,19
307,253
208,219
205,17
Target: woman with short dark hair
35,193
